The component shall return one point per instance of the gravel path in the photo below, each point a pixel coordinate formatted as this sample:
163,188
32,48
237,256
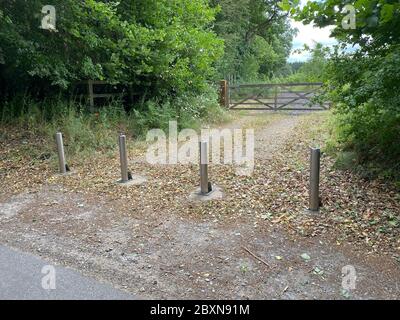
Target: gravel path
160,245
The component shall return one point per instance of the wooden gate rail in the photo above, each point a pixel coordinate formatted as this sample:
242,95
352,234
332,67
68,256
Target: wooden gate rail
90,94
256,96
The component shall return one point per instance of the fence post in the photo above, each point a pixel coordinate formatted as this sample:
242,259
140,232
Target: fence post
315,155
276,98
61,154
205,185
224,97
91,95
123,158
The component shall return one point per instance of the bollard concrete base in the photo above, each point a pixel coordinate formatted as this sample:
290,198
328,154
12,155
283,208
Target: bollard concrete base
215,194
312,212
135,181
68,173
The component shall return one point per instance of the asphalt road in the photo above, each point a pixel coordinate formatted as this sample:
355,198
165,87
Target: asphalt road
27,277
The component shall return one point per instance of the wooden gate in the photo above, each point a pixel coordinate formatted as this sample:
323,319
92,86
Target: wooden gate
280,96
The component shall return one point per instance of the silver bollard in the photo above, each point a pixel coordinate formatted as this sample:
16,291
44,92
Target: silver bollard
314,179
61,155
123,158
205,185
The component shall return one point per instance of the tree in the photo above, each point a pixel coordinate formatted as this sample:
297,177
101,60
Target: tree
364,84
159,47
257,38
377,21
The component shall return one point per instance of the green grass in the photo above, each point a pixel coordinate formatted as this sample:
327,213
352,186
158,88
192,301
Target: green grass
85,133
347,157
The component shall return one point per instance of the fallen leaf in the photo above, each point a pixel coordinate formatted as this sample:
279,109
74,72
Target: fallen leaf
305,256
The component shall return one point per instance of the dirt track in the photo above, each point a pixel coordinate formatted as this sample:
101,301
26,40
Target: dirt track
159,246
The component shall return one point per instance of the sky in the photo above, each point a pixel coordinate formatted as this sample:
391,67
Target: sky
309,34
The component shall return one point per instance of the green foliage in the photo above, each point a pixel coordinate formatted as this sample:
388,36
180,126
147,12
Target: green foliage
86,133
365,85
189,111
162,51
314,69
158,47
366,93
377,21
257,38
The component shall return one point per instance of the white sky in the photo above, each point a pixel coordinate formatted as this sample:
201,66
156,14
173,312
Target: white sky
309,34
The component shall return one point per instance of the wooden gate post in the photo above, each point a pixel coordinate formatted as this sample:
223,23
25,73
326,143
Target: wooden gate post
276,98
224,95
91,96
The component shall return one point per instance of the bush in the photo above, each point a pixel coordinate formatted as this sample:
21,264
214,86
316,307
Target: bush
364,84
366,93
85,132
189,111
155,48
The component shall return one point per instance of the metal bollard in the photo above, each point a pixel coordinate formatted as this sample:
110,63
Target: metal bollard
314,178
61,155
123,158
205,185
